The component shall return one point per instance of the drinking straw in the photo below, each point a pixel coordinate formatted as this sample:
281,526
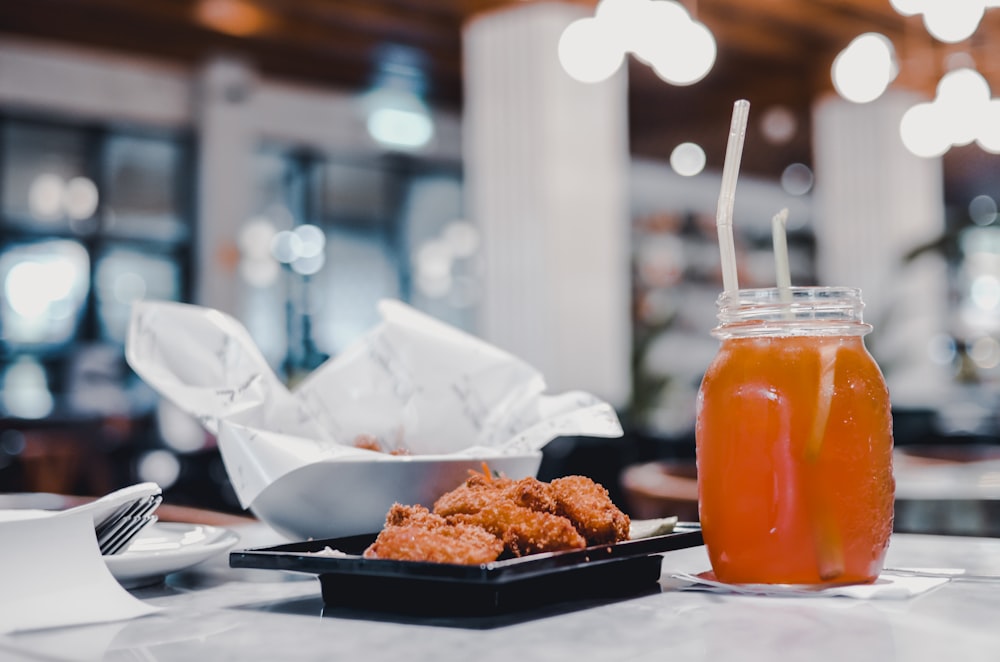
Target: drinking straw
782,270
826,533
724,211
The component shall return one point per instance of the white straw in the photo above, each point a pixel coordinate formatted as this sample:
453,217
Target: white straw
782,270
724,212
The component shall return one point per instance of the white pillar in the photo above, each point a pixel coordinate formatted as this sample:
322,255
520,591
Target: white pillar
226,147
546,161
874,203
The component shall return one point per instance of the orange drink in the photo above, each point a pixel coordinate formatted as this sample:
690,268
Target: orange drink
794,441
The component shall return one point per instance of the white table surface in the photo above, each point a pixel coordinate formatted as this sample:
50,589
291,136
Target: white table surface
213,612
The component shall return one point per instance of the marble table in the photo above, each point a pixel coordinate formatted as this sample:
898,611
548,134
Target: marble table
213,612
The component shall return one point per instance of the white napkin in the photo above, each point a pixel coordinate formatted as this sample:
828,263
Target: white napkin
411,382
888,586
52,574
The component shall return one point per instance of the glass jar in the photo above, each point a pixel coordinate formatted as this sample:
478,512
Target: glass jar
794,441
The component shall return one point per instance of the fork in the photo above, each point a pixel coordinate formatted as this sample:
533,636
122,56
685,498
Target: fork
115,533
119,516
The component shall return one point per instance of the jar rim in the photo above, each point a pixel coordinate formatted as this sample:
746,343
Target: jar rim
798,292
801,310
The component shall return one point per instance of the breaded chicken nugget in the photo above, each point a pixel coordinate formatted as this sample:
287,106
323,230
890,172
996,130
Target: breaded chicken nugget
412,533
459,543
479,492
524,531
589,507
532,493
472,496
400,515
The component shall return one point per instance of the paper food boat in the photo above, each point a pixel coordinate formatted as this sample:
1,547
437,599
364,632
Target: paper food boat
447,398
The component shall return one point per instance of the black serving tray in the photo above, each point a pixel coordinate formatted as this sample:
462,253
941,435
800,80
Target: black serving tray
352,581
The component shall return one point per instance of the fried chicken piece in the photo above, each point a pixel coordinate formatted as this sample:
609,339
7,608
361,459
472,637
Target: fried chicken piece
476,493
412,533
532,493
400,515
522,530
589,507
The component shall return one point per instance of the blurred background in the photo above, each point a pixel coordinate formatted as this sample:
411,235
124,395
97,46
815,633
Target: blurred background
541,174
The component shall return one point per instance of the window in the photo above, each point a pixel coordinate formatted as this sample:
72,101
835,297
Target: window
367,218
91,218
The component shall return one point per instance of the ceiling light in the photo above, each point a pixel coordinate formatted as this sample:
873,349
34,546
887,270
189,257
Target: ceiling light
588,53
954,20
399,119
863,70
659,33
642,27
922,130
690,58
908,7
961,112
963,96
396,115
680,50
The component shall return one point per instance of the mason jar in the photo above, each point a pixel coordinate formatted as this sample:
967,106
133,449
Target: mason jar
794,441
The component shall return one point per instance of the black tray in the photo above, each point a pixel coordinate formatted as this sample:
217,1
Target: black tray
599,572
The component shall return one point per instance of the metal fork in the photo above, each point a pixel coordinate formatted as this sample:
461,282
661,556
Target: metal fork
121,515
115,533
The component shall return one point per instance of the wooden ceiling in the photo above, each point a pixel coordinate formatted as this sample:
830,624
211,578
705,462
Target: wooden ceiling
773,52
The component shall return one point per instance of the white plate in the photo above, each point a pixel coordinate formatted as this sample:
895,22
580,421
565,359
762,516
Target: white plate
166,547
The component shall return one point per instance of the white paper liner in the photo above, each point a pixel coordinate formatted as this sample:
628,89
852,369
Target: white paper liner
888,586
412,382
53,575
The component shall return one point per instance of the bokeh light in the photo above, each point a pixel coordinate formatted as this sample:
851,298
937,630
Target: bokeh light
159,466
923,131
660,33
985,292
985,352
797,179
80,198
286,246
778,124
687,159
401,127
908,7
960,113
983,210
25,391
952,21
45,197
587,53
863,70
941,349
